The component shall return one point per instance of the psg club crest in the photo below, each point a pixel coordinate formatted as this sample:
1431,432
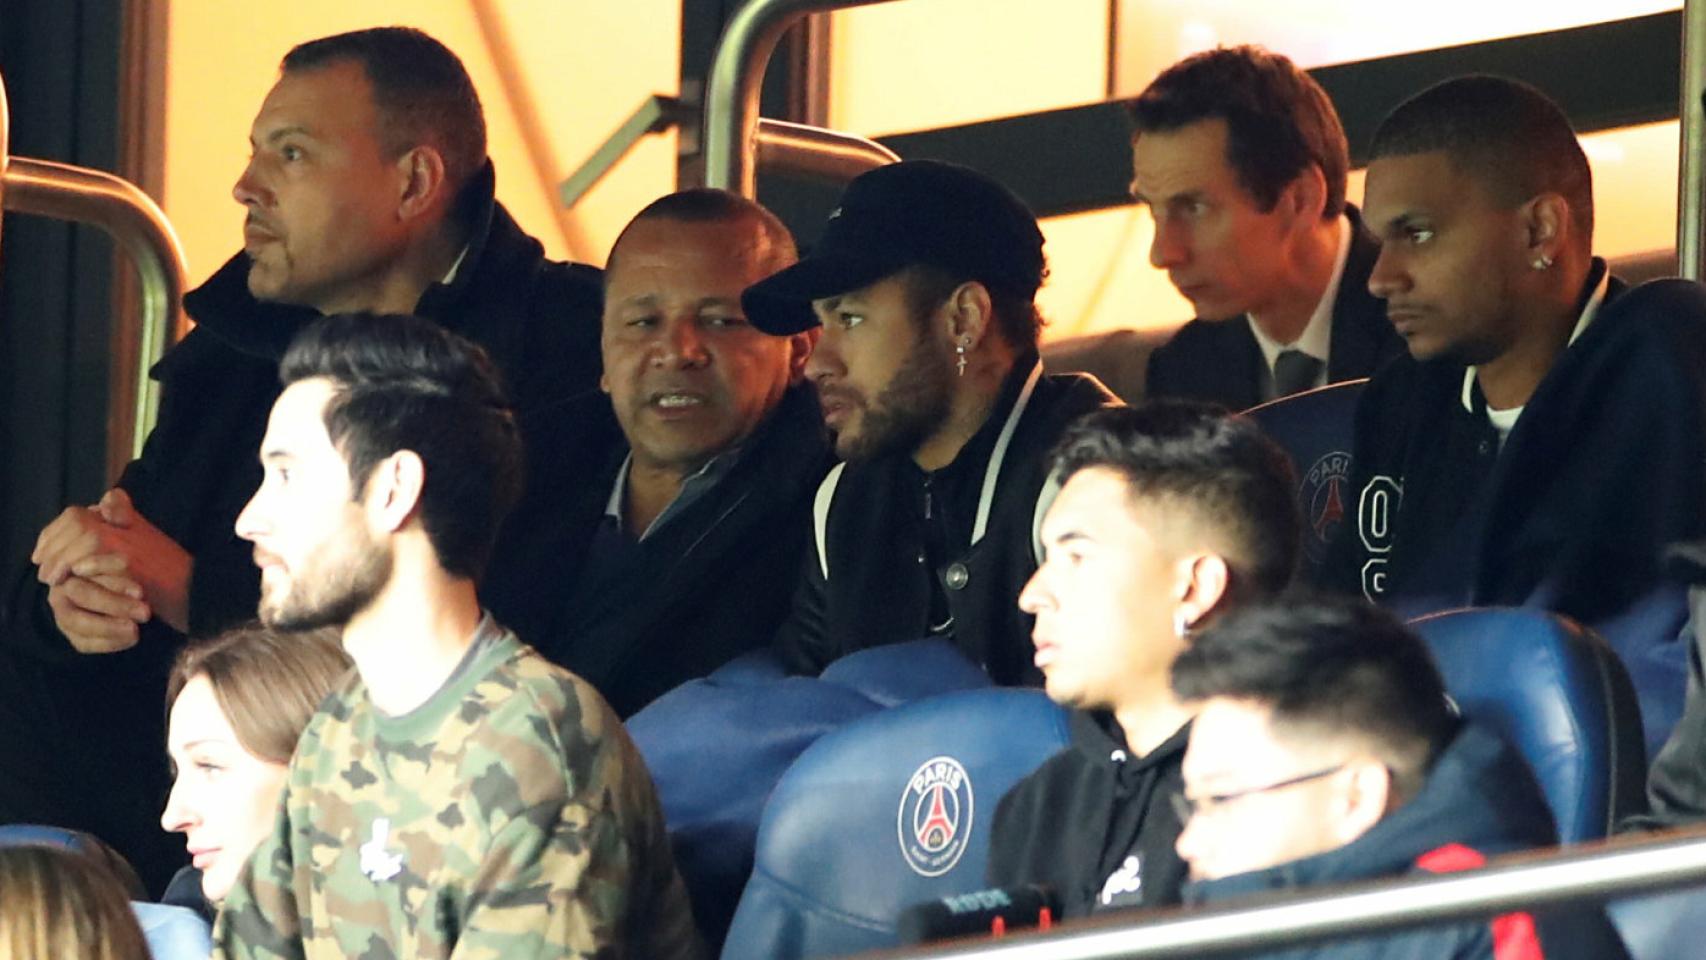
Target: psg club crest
1322,495
934,822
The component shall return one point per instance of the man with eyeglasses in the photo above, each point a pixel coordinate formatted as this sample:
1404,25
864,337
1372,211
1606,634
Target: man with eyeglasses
1169,514
1325,751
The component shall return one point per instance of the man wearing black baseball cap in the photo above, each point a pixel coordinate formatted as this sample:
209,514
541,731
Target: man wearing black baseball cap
924,283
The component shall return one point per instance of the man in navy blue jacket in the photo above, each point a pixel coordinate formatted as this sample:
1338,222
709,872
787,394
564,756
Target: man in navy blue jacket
1325,752
1543,441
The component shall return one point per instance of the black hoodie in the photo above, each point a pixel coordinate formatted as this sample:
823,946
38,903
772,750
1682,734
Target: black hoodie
1094,824
1480,800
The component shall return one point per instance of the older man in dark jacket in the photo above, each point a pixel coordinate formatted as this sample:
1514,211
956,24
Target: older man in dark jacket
682,554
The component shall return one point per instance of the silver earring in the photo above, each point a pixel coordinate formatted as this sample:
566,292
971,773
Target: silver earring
960,358
1542,262
1181,624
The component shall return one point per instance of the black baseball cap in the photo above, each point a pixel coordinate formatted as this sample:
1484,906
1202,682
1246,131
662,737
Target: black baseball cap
917,212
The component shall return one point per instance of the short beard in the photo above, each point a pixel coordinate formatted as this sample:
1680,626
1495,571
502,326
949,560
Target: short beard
913,405
336,594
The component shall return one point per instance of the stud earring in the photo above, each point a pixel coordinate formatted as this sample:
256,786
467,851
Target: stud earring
1542,262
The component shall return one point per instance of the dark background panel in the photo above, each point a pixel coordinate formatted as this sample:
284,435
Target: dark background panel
60,62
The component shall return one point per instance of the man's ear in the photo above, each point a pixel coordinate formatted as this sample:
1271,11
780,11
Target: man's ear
1205,578
421,179
394,490
1546,220
800,347
969,314
1368,800
1304,199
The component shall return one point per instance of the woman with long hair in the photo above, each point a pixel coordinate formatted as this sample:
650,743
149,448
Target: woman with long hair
238,703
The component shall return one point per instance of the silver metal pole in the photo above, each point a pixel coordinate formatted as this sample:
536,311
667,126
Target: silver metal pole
119,207
1691,168
737,73
1526,882
826,153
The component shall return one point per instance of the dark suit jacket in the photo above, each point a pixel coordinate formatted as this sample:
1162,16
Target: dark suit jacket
1219,361
710,584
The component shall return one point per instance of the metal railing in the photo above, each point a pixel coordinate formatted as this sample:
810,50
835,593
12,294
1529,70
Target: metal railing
781,145
135,221
1691,166
1525,882
815,150
733,142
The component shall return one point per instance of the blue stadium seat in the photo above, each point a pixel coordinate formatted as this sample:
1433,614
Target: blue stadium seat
1652,639
901,673
1662,926
717,746
1316,427
1560,695
889,811
174,933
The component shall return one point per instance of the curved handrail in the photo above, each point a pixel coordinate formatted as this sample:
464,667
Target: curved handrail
731,90
815,150
1583,873
136,222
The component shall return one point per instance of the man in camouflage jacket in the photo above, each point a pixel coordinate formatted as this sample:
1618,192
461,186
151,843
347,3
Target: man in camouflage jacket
459,796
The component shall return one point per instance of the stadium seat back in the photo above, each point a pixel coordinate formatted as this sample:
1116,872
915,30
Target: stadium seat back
1316,427
1661,926
1558,694
1652,640
717,746
887,812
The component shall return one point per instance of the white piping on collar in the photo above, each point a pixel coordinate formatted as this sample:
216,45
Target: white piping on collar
992,472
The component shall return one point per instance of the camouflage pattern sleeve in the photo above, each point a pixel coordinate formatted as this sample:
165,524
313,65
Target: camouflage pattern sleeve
574,876
531,898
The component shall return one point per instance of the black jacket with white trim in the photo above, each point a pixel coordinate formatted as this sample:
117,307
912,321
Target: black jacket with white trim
868,577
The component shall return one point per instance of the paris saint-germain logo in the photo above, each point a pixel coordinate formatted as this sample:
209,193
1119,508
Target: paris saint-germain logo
1322,494
934,823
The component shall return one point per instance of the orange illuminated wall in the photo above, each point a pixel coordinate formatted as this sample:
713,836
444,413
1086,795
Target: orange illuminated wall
555,78
1149,34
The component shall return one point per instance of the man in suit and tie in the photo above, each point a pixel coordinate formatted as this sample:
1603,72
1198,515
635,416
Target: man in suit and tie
1242,161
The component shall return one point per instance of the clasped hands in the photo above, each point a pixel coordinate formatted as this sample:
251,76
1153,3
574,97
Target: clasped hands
108,570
